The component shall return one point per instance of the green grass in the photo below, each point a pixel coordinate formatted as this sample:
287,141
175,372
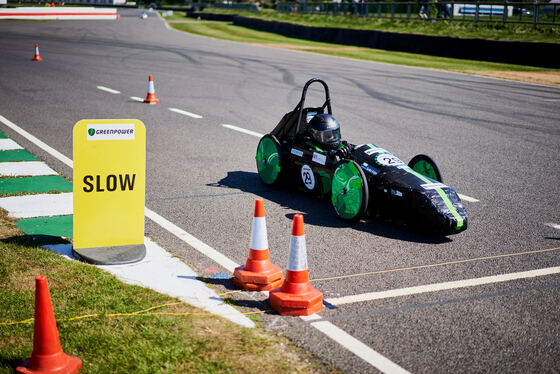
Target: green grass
140,343
228,31
482,30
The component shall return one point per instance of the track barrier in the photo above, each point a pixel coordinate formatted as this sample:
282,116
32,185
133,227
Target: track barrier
259,273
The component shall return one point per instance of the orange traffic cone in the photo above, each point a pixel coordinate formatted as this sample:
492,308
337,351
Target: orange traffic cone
296,297
258,274
151,98
47,356
37,57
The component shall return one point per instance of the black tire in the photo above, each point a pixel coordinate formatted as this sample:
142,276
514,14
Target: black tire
425,166
349,191
269,160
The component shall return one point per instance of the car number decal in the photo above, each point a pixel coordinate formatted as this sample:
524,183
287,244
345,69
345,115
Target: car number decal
307,177
319,158
387,159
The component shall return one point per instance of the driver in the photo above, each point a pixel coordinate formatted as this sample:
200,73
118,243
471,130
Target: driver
325,133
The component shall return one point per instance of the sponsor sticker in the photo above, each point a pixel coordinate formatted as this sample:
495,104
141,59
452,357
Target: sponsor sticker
307,177
396,193
367,167
432,186
388,159
121,131
319,158
296,152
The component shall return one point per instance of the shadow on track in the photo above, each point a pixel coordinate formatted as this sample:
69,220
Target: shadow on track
317,212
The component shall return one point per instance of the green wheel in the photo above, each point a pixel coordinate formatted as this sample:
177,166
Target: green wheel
425,166
269,160
349,191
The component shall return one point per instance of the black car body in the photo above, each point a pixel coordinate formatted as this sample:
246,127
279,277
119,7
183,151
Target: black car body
359,180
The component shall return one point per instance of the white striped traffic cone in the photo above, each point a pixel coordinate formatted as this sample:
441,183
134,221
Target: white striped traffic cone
36,57
151,97
297,297
259,273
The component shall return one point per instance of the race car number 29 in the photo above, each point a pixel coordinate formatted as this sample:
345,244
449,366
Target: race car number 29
387,159
307,177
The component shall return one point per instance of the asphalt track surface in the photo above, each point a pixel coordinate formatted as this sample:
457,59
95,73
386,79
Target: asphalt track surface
494,140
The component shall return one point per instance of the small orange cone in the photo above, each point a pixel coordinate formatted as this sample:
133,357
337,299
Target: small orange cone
297,297
259,273
151,98
37,57
47,356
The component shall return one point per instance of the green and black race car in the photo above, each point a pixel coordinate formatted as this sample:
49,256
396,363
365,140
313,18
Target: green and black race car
360,180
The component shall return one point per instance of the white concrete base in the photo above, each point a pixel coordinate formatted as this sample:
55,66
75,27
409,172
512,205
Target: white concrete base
166,274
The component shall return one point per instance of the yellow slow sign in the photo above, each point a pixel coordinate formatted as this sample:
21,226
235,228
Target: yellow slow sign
109,183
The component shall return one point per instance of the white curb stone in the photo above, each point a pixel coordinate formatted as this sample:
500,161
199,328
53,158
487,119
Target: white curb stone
31,168
42,205
9,145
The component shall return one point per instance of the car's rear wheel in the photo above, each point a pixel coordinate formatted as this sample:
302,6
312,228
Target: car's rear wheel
425,166
269,160
349,191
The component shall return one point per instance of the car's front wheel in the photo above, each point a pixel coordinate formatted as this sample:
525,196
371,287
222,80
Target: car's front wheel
349,191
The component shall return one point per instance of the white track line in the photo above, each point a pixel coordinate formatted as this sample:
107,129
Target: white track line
25,168
468,198
332,332
9,145
353,345
442,286
245,131
136,98
553,225
185,113
42,205
36,141
110,90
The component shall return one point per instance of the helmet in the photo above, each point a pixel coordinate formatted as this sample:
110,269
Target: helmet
325,130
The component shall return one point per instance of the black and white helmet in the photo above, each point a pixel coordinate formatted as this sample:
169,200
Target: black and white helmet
325,130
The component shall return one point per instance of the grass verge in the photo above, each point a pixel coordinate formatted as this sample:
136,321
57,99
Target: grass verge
228,31
139,340
482,30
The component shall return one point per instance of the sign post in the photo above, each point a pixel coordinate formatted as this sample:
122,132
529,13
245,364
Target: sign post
109,190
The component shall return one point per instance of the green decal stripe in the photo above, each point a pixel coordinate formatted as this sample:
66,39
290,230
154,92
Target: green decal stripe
442,194
43,183
451,208
16,155
314,146
57,226
2,135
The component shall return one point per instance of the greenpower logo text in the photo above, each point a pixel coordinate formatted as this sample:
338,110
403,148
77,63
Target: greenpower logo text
123,131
